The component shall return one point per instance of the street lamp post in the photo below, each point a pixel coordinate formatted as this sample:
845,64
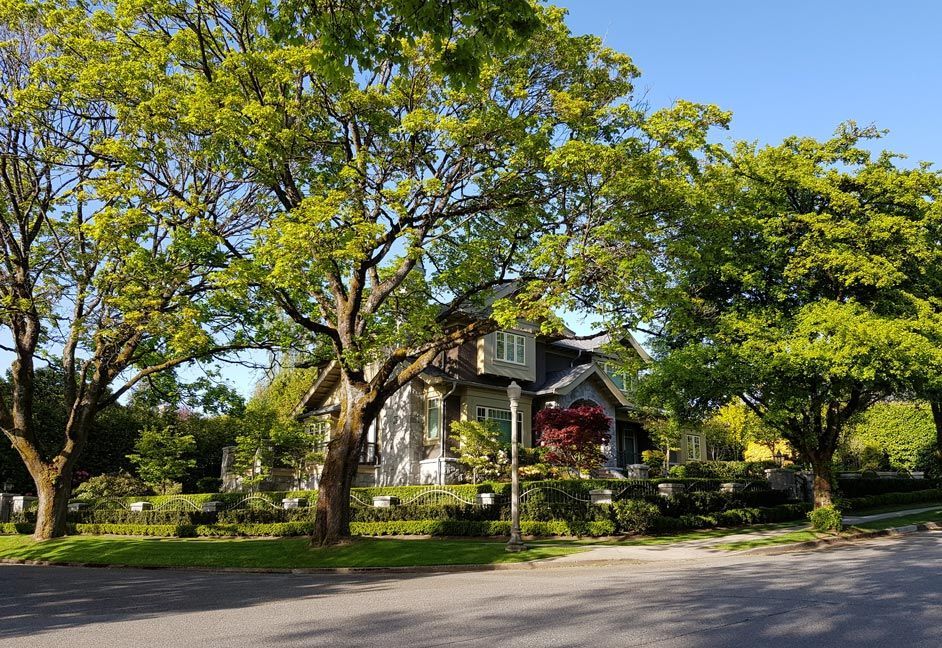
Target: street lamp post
516,542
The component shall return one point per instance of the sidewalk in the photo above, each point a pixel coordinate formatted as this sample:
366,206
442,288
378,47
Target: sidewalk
850,520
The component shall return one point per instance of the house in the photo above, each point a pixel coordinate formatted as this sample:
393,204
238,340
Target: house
410,442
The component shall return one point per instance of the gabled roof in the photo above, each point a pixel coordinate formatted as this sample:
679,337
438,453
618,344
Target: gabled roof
326,382
561,383
597,342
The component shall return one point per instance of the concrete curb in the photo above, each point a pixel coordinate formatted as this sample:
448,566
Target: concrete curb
843,540
542,563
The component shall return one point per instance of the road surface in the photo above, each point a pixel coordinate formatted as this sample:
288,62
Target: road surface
884,592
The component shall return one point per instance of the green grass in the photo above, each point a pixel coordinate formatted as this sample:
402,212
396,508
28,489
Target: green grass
283,553
915,518
804,535
890,508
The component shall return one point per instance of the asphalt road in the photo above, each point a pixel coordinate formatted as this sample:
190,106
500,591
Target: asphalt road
885,592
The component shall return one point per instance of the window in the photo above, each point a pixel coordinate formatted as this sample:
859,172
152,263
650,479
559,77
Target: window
622,379
320,428
502,418
433,417
511,347
694,448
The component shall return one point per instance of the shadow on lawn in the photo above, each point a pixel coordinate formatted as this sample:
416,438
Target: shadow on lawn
880,593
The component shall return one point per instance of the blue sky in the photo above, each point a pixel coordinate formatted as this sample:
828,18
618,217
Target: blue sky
786,68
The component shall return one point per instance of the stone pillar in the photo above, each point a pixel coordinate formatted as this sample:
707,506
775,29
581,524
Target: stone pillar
212,507
75,507
669,489
6,506
638,471
601,496
139,507
481,499
731,487
294,502
782,480
385,501
22,503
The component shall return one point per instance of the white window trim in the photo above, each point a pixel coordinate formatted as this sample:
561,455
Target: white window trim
694,441
482,414
441,423
505,339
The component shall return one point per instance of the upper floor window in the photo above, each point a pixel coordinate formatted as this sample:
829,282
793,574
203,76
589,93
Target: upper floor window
433,417
511,347
622,379
694,448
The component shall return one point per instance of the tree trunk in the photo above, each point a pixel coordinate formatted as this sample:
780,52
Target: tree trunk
823,480
332,515
937,419
54,491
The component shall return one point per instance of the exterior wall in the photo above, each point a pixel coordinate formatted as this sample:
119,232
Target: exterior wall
487,363
399,437
473,397
589,391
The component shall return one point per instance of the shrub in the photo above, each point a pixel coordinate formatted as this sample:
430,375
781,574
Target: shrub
726,471
635,516
826,518
864,487
111,486
654,459
888,499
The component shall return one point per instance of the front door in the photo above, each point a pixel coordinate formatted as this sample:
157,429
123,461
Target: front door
627,444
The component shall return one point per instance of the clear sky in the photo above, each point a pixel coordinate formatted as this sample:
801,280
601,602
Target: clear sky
784,68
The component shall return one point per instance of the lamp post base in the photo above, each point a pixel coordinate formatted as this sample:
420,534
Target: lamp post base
516,544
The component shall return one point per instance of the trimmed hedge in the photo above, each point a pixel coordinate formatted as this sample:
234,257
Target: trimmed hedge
861,487
727,471
14,528
157,530
889,499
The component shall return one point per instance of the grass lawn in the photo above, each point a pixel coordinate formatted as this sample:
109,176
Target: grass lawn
893,507
915,518
281,553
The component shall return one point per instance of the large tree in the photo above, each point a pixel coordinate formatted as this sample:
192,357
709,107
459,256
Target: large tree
406,160
791,283
109,236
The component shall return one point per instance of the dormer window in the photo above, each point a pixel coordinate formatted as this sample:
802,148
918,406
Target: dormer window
511,348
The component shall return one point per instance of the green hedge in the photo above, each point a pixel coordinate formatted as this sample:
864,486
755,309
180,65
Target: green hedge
158,530
854,488
14,528
889,499
726,471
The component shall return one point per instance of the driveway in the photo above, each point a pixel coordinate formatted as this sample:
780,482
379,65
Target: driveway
884,592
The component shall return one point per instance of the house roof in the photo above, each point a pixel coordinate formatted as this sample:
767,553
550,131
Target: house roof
561,383
323,386
596,342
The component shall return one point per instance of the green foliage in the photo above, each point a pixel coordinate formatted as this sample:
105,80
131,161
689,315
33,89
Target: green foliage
903,433
480,448
826,518
796,284
890,499
865,487
728,471
161,456
654,459
635,517
108,486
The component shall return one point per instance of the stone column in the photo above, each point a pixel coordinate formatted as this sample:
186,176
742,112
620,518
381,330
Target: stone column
6,506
